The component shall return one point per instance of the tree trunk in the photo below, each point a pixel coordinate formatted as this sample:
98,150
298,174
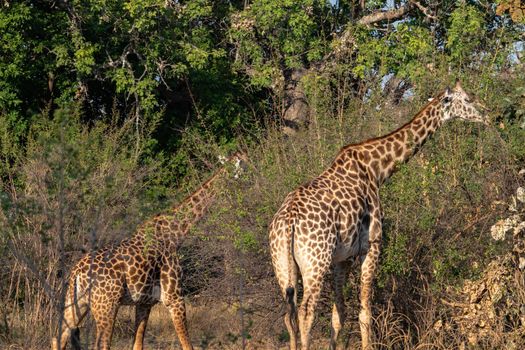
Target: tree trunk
296,109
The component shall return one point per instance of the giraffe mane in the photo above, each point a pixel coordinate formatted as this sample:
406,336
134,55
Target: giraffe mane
431,101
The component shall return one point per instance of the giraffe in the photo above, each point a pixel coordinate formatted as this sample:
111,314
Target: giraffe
336,216
142,271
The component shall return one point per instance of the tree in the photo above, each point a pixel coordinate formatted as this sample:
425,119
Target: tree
278,43
159,61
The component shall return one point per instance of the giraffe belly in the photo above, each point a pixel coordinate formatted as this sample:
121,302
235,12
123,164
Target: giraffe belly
354,242
345,251
149,294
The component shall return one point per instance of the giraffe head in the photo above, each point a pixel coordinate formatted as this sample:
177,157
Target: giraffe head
457,103
239,162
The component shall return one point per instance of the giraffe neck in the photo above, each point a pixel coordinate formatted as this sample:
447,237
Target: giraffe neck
386,152
170,228
193,208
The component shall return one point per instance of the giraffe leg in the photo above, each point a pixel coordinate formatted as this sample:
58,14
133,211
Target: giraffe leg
104,314
313,278
290,319
177,311
141,320
171,296
338,310
314,261
312,292
287,278
368,270
74,313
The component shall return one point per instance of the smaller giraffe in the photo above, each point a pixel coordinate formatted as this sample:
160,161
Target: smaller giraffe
337,216
142,271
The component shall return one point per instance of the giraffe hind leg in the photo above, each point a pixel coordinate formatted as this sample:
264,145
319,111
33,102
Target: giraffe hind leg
74,313
341,271
286,271
177,311
104,315
141,320
313,279
171,297
290,319
306,316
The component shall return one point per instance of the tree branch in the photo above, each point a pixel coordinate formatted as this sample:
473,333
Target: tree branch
386,15
394,14
346,39
424,9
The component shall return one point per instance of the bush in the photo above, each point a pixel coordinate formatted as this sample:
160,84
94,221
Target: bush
76,188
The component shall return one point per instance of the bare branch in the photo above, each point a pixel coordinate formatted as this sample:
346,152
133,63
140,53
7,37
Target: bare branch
389,15
29,266
427,12
346,39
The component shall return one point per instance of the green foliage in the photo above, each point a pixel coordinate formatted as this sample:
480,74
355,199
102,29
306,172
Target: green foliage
395,258
74,174
105,106
466,33
137,57
293,33
512,120
28,38
450,266
404,51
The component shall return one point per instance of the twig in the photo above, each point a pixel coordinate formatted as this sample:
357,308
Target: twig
424,9
454,304
29,266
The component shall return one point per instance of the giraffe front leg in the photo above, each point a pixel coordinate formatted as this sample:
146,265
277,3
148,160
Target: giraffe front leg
368,271
171,296
177,311
341,270
141,320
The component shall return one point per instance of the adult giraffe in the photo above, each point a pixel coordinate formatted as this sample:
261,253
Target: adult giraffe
338,215
140,271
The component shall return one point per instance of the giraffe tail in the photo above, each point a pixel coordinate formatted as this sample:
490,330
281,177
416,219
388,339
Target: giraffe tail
291,308
290,305
70,316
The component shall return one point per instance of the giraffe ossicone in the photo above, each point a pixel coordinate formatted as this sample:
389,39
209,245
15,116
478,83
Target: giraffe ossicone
336,216
142,271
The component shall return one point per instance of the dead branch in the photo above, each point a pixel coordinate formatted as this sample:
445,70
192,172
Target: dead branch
389,15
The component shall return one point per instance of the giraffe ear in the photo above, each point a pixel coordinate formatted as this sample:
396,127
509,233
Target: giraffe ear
447,96
458,85
222,159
